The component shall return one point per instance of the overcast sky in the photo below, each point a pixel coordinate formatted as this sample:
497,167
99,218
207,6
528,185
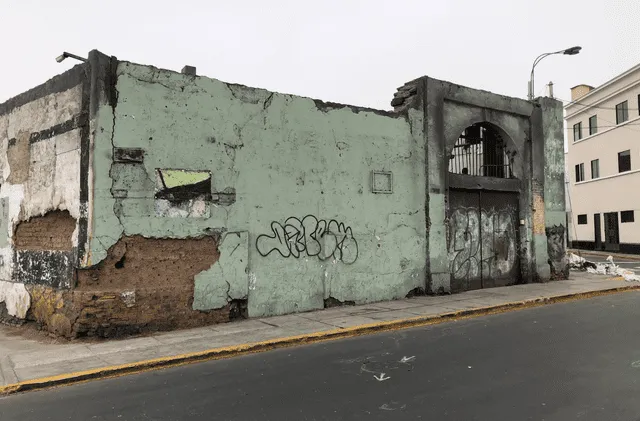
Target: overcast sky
351,51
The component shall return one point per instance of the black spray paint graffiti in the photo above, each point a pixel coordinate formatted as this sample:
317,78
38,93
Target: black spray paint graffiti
556,250
311,237
481,243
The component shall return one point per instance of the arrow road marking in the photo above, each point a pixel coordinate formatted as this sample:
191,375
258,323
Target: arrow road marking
407,359
381,378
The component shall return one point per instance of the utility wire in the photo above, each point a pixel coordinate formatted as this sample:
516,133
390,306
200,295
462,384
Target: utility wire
611,123
622,125
585,105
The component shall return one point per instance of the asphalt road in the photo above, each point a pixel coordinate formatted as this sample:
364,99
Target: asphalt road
570,361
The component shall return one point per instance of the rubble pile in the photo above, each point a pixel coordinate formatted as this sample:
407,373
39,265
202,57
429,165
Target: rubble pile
579,263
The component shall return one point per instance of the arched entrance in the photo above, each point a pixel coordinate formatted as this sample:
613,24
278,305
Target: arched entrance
483,240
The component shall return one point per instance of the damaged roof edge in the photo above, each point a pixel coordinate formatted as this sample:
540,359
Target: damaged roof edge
320,104
58,83
487,99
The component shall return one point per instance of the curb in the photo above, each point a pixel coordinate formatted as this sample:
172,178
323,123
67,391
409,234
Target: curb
633,257
256,347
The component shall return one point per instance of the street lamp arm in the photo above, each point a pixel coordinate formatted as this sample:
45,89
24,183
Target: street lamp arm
541,56
568,51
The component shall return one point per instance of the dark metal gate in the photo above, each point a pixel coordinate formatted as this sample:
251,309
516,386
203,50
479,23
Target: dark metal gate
611,232
597,231
483,239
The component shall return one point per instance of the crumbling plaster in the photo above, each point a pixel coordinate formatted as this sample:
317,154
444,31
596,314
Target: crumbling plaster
285,156
450,108
554,185
52,180
227,279
39,173
16,298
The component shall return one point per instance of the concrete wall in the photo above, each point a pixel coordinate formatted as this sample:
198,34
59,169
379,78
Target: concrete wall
555,216
194,201
533,135
41,133
291,209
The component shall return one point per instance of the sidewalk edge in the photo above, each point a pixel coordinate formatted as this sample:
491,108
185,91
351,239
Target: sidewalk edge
255,347
598,253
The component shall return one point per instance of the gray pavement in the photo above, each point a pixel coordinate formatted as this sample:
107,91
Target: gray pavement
24,359
578,360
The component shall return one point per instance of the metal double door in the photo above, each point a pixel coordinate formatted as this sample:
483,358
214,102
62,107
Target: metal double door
483,239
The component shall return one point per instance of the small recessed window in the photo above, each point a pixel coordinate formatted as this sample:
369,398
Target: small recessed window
593,125
627,216
595,168
579,173
582,219
624,161
622,112
577,131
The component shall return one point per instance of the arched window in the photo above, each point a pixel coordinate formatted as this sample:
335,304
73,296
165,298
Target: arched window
481,151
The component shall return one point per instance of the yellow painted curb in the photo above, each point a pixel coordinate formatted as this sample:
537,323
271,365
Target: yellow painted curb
255,347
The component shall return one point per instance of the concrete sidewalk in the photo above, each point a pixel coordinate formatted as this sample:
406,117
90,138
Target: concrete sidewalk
23,360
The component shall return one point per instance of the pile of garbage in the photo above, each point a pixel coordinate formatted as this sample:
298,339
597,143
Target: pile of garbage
610,268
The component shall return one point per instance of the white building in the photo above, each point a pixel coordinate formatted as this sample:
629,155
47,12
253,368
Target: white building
603,160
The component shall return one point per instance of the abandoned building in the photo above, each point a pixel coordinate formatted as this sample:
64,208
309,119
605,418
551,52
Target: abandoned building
138,199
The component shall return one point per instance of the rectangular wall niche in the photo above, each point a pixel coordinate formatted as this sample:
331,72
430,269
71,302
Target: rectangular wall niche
183,193
381,182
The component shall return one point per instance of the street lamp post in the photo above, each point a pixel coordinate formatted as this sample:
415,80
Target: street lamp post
569,51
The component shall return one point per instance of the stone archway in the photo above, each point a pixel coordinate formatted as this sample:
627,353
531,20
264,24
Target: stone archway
483,215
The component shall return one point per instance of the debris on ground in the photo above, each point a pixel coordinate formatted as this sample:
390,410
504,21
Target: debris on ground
610,268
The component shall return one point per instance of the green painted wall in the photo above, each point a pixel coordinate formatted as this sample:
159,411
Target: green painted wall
285,157
554,185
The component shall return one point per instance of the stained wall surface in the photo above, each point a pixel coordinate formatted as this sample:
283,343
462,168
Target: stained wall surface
310,201
40,157
140,199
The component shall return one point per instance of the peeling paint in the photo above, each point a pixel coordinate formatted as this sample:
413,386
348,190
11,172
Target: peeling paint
227,279
256,144
16,298
40,173
538,214
267,156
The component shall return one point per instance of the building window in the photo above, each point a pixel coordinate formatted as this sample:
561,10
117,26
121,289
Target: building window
595,168
624,161
627,216
582,219
593,125
579,173
577,131
622,112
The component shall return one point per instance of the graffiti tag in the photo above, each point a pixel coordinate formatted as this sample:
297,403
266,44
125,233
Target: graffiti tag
481,242
311,237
